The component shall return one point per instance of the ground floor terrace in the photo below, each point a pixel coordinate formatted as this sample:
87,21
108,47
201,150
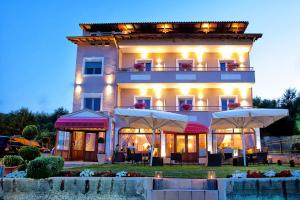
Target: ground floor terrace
91,136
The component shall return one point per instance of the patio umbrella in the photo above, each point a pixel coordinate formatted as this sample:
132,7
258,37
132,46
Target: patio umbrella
246,118
152,119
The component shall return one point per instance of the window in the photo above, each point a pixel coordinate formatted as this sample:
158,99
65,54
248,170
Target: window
90,141
185,65
147,64
225,101
180,143
93,66
145,100
224,64
192,147
63,140
92,101
185,103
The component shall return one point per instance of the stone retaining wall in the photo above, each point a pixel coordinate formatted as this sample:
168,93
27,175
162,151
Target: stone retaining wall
61,188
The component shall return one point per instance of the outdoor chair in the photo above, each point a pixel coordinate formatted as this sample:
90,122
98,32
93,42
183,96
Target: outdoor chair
177,157
157,161
137,157
214,159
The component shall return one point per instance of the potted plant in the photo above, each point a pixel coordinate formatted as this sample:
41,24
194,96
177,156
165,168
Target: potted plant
233,105
139,105
186,66
232,66
101,150
11,163
139,66
186,107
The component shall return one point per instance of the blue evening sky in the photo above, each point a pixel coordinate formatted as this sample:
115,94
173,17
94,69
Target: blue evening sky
37,62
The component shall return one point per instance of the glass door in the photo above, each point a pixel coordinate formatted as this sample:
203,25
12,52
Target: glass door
77,145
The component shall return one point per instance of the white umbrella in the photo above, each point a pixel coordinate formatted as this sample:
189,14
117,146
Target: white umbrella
153,119
246,118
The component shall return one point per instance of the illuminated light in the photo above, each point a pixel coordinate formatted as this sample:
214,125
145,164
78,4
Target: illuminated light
129,26
205,27
200,105
158,174
143,91
185,53
185,90
244,103
78,79
158,61
78,89
243,92
226,52
144,55
211,174
227,90
109,89
157,91
241,58
110,79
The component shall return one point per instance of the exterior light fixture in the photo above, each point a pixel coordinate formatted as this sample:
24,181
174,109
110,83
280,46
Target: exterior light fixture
158,174
211,174
212,183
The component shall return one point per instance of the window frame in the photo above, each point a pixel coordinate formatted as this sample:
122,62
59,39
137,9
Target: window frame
92,95
137,97
147,59
185,96
92,59
226,96
178,60
65,144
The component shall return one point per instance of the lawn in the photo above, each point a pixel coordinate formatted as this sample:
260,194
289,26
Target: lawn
184,171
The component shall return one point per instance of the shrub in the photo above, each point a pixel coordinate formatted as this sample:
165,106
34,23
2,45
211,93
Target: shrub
23,166
44,167
29,153
101,140
30,131
12,160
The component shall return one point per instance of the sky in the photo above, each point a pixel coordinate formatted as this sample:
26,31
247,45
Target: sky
37,62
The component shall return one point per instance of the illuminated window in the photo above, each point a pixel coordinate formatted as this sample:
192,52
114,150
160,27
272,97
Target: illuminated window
90,141
145,100
92,101
202,141
93,66
63,140
192,147
180,143
183,103
169,144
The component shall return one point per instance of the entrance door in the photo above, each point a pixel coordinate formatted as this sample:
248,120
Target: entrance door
192,147
77,145
90,146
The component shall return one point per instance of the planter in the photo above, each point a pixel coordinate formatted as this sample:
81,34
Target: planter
186,67
139,105
186,107
8,170
233,105
101,148
101,158
232,66
139,67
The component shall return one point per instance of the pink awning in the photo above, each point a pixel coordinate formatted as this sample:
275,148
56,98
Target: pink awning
62,123
194,127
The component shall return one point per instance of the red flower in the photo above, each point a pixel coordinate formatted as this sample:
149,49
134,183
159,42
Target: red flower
139,105
233,105
139,66
254,174
186,107
284,173
186,66
232,66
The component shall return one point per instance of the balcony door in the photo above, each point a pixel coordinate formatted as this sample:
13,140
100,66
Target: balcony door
147,64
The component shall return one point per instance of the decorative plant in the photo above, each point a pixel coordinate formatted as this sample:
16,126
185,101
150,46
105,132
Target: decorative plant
139,66
139,105
254,174
101,140
134,174
284,173
232,66
270,173
121,174
292,163
233,105
279,162
29,153
12,160
186,66
87,173
239,174
186,107
30,132
17,174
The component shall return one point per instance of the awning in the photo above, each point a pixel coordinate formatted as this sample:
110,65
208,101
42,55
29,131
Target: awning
63,123
193,127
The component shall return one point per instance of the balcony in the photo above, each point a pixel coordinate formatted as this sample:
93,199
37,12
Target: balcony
193,75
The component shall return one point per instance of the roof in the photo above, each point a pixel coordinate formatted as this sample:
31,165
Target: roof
168,27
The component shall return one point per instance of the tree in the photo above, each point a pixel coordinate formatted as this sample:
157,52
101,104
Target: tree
30,132
57,113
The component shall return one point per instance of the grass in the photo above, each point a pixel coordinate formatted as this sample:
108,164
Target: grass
184,171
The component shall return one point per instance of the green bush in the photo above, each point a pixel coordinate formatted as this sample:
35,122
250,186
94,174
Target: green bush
30,132
23,166
101,140
12,160
44,167
296,148
29,153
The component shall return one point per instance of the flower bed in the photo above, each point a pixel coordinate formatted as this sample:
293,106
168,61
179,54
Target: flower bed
186,107
91,173
139,105
186,67
268,174
139,66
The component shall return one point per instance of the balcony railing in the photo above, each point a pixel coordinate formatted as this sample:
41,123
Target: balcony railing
193,109
193,69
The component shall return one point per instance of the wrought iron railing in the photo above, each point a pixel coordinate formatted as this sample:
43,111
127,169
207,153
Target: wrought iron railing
179,108
193,69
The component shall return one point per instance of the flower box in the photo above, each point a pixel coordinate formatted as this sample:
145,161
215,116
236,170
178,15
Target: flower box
186,67
186,107
233,105
139,66
139,105
232,66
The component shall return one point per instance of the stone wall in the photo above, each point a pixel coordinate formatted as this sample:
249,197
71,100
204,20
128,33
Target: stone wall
61,188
